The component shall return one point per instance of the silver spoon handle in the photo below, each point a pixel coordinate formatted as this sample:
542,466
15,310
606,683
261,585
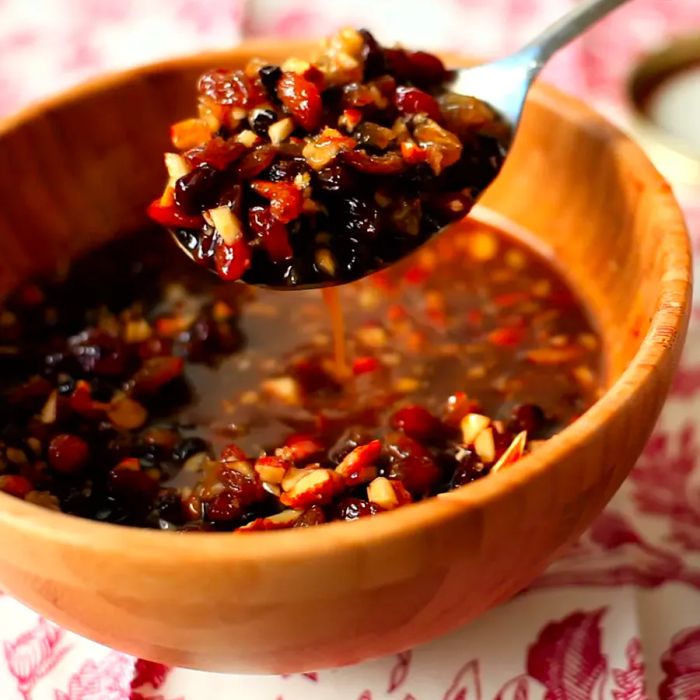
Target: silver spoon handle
568,27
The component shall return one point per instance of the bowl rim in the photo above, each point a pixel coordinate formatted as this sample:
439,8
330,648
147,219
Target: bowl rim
667,328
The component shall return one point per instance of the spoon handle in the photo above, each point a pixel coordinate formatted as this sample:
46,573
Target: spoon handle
568,27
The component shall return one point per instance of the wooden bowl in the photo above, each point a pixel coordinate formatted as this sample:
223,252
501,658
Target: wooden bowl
81,168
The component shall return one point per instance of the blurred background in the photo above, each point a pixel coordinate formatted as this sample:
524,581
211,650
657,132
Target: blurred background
46,45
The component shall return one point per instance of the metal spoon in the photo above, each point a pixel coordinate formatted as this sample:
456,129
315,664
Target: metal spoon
504,83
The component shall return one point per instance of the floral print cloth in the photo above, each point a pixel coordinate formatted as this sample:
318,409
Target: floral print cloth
618,616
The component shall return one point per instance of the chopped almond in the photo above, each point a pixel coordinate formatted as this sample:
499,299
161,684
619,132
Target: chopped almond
226,223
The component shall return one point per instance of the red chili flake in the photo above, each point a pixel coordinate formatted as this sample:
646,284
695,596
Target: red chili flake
508,337
15,485
302,99
411,100
232,260
416,274
68,454
363,365
286,199
171,216
155,373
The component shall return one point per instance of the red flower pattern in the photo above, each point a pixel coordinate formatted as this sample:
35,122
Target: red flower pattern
681,664
33,654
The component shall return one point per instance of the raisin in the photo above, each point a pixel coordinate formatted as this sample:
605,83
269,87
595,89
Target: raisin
273,234
269,76
226,87
410,100
417,422
261,122
198,190
372,56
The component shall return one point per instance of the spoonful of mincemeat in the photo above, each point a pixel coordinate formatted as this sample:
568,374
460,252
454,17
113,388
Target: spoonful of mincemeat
317,173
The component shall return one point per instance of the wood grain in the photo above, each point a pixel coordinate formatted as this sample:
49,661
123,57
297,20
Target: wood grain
79,169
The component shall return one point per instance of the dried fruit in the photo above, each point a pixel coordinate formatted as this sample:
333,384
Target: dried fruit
301,98
68,454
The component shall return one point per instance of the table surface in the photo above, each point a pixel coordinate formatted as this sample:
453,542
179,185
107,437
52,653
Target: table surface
619,615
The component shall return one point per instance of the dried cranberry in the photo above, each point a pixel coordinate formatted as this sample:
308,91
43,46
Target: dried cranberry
427,68
15,485
273,234
68,454
232,260
302,100
198,189
416,469
355,508
417,422
410,100
286,199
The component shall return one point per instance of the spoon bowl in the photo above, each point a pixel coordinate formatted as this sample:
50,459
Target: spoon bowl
502,84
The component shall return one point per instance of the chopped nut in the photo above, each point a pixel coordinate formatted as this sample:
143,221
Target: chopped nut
359,462
318,486
15,455
176,166
471,425
285,389
226,223
136,331
295,65
482,246
43,499
485,446
196,462
387,493
372,336
279,521
280,130
406,385
293,475
49,411
513,452
271,469
248,138
584,376
325,261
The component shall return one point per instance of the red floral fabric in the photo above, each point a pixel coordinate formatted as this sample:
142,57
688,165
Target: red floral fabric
619,615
